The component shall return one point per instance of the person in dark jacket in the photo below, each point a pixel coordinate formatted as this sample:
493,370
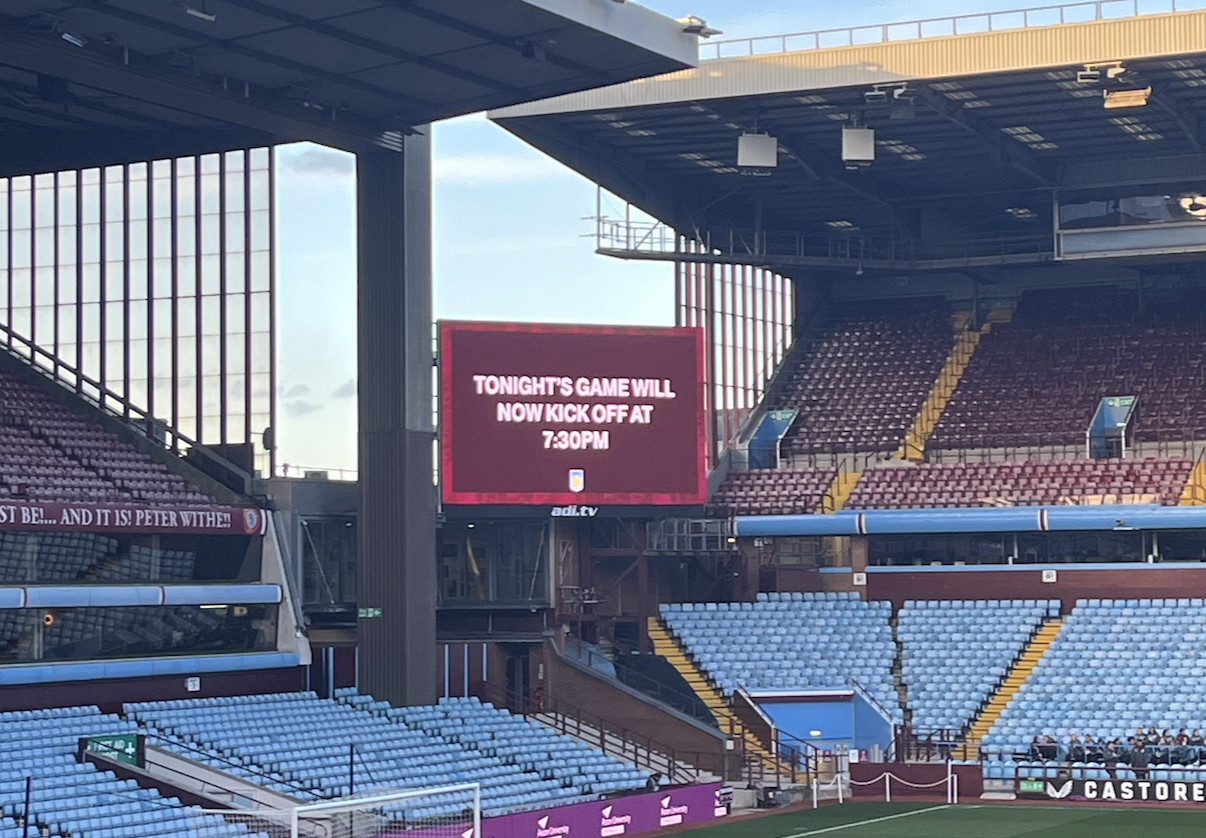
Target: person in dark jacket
1140,759
1076,749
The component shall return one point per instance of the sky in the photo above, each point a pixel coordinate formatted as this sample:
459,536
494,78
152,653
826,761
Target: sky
510,239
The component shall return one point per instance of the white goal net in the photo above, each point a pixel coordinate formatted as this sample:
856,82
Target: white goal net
445,812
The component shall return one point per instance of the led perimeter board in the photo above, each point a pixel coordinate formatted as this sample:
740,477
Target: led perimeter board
535,414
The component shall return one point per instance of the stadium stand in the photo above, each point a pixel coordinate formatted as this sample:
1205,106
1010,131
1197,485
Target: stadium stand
771,492
298,744
791,641
1116,665
70,557
70,798
859,385
1152,480
49,453
955,653
1036,381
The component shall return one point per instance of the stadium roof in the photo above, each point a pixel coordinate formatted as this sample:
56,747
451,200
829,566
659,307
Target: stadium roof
1002,120
84,81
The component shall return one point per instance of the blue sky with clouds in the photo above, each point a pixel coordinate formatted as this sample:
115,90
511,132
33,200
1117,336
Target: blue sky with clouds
510,239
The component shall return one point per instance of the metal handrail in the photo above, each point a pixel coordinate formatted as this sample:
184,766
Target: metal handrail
98,395
940,27
611,738
349,475
871,247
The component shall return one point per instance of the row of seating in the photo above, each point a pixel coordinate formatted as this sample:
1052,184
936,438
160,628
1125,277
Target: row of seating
299,744
955,656
860,382
1112,663
826,640
935,485
1035,382
1042,483
50,453
76,800
1116,664
72,557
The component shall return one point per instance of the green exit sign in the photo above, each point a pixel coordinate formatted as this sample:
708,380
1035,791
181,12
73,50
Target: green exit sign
1030,787
368,613
121,747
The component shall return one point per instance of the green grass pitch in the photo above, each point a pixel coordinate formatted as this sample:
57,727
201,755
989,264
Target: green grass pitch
929,820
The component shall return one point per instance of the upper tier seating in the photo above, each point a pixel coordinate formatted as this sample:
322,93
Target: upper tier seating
859,386
1044,483
76,799
791,641
1037,380
49,453
299,744
956,653
771,492
1116,664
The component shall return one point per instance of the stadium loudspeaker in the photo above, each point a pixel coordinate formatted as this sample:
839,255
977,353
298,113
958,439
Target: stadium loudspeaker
858,145
757,151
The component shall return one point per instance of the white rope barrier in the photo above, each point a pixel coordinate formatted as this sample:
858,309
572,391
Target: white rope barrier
836,781
950,781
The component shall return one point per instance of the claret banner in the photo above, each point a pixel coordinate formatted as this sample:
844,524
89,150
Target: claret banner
32,516
583,415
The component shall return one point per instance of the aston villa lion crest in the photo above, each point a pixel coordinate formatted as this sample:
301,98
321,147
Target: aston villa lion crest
577,479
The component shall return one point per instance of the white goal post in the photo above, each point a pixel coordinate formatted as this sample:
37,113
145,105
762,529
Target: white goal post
441,812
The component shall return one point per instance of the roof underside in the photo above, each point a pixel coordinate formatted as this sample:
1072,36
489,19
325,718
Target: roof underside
81,80
982,155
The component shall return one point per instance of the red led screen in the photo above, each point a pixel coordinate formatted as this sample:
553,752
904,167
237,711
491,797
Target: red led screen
540,414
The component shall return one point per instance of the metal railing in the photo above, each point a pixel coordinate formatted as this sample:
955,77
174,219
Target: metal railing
108,402
933,746
623,236
611,738
942,27
343,474
600,663
795,763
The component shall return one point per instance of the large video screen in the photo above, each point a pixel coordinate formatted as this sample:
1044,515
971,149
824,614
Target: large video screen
542,414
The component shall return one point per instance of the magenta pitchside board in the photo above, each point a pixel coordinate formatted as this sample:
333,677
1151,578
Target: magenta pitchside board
542,414
642,814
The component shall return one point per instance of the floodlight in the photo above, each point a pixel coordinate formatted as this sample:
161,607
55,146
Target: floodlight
858,146
1135,98
759,151
694,25
74,40
201,14
904,103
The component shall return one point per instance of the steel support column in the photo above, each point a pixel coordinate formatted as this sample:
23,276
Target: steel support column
397,551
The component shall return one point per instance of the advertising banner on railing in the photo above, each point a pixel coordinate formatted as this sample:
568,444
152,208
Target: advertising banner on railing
641,814
31,516
1127,791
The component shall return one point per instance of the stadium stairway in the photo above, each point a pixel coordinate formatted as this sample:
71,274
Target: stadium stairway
667,647
1194,493
1014,679
966,341
839,491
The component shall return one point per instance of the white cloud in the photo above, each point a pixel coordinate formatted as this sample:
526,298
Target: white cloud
485,168
310,159
299,408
